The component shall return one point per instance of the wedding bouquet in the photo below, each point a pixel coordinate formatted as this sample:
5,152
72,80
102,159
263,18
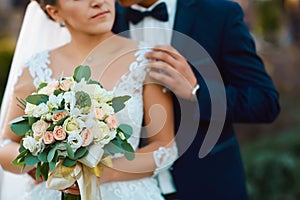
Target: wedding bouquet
69,127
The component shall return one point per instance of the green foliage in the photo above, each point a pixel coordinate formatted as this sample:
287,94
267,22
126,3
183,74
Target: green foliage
272,167
37,99
6,54
20,128
269,19
83,99
82,72
118,102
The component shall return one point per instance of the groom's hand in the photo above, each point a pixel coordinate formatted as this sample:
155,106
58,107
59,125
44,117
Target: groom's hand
177,74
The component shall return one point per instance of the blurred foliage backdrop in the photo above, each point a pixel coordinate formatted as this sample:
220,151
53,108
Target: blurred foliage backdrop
270,151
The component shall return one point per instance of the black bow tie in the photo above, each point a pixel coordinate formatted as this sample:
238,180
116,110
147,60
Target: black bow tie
159,12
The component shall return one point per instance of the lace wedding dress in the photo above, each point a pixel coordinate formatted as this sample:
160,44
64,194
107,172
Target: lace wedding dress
130,84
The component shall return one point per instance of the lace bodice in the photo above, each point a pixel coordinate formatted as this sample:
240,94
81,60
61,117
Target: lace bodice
130,84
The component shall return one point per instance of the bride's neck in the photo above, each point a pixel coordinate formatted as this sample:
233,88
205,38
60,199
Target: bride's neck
82,45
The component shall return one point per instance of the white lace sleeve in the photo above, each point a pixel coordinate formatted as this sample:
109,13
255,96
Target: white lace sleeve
38,68
164,158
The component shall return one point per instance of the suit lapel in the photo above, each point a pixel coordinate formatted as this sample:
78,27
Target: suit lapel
185,15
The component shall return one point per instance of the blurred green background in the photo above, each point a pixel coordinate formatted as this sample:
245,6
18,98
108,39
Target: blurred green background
270,151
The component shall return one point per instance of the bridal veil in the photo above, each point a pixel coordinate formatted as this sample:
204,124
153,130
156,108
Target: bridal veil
37,33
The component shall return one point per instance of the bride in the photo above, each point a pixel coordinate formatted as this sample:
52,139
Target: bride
119,64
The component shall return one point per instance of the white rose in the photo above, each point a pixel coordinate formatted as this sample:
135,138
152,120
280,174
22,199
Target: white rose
29,109
75,141
102,95
40,146
73,125
40,110
102,133
32,145
29,143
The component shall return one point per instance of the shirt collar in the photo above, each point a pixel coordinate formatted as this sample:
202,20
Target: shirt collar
170,5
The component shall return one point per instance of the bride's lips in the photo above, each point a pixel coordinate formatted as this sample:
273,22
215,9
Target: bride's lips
100,14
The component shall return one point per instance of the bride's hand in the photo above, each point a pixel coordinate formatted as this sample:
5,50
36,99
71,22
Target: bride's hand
74,189
31,173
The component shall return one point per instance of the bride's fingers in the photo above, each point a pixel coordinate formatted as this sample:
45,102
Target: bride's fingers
74,189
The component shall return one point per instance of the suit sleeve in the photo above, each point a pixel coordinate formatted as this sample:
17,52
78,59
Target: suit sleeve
250,92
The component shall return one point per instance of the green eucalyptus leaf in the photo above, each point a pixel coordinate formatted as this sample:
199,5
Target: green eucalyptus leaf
43,156
38,171
118,102
128,151
82,72
37,99
83,99
57,92
94,82
69,162
51,154
19,160
32,120
81,152
45,170
70,151
20,128
52,166
113,147
126,129
42,85
31,160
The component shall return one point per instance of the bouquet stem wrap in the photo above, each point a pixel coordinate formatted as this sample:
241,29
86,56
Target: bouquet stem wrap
86,176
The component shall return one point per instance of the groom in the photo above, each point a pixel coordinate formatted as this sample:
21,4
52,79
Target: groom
251,97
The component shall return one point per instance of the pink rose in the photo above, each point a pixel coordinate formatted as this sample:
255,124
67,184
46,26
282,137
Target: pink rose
58,116
59,133
50,88
112,121
87,137
99,114
65,85
48,137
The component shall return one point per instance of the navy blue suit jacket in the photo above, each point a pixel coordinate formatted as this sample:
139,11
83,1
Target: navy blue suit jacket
251,97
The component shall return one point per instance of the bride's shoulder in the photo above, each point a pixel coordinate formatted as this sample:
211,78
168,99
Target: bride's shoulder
40,58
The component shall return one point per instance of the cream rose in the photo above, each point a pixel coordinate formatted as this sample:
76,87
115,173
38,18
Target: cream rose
39,128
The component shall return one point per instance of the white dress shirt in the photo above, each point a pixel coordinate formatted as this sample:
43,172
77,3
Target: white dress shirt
151,30
155,32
